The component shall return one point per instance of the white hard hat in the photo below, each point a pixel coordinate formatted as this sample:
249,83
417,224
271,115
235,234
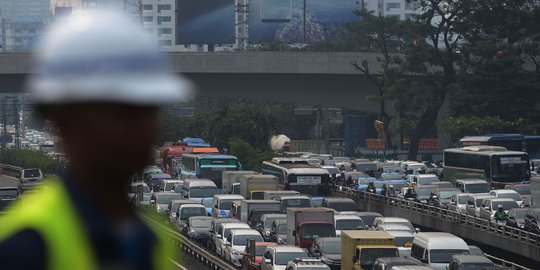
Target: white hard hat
103,57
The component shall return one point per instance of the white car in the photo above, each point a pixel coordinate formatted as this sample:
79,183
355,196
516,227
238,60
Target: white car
237,242
223,231
386,221
347,222
458,202
507,193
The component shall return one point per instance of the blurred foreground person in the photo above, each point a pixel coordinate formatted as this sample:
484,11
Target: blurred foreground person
100,79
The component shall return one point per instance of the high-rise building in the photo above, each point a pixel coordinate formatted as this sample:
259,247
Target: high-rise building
401,9
22,22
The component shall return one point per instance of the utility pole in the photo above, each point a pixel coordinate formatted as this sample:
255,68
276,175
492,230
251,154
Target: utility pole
241,11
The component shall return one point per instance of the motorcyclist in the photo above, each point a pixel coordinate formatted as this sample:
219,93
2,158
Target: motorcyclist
384,190
349,182
391,192
371,187
500,214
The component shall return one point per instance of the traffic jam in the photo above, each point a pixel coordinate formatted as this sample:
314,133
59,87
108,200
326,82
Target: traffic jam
285,216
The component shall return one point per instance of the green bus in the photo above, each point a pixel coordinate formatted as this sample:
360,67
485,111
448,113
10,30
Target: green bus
495,164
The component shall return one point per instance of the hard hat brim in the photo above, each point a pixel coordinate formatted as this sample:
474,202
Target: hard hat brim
145,89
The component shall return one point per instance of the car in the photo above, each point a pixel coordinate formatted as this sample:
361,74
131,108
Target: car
316,201
421,179
328,249
186,211
388,263
278,231
277,257
198,228
523,189
474,186
307,264
347,222
30,178
474,203
507,193
214,225
169,185
252,257
441,197
223,232
516,218
396,227
443,184
458,202
237,242
153,180
172,209
385,221
489,207
368,217
339,204
532,220
475,250
422,194
162,200
265,224
404,241
464,262
8,195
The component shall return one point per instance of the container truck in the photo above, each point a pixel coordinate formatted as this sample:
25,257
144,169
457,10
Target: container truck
252,186
306,224
251,209
230,178
360,249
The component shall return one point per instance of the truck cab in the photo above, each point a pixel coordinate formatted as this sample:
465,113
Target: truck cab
306,224
360,249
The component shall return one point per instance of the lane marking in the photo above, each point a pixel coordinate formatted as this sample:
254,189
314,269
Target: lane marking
177,264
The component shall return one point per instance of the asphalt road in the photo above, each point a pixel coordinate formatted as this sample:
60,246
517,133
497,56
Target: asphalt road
6,181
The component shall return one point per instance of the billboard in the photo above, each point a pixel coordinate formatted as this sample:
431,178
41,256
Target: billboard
283,20
205,22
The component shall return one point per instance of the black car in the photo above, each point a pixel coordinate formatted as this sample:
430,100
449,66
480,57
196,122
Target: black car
441,197
198,228
516,217
8,195
532,220
328,249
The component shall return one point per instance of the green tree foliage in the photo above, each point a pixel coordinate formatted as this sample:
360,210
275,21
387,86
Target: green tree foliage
31,159
250,157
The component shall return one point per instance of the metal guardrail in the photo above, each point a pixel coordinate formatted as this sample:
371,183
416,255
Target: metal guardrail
449,215
194,250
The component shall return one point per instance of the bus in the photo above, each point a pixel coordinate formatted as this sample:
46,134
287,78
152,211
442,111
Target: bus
495,164
207,166
513,142
297,174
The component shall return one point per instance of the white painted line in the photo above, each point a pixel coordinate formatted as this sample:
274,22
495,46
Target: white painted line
177,264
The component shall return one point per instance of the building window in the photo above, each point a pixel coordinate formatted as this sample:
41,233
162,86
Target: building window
148,19
147,7
392,6
165,43
165,31
412,5
162,19
163,7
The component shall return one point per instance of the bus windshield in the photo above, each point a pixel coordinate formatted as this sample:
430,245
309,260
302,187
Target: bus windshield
510,168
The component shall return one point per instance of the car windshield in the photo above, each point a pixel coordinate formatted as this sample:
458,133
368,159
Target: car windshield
477,188
297,203
8,192
31,173
317,230
167,198
349,224
343,206
463,199
523,190
423,192
332,247
519,213
242,240
448,194
282,258
188,212
444,255
399,225
282,229
201,223
202,192
513,196
316,202
369,255
225,204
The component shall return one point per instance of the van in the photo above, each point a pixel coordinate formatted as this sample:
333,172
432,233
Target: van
340,204
30,178
436,248
473,186
222,204
198,189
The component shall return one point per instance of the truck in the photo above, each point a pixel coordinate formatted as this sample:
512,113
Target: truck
252,186
251,209
276,194
360,249
306,224
229,178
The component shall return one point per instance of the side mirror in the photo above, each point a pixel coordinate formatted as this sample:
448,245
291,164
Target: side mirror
417,230
268,261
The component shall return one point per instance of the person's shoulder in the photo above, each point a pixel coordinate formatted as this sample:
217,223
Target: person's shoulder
23,250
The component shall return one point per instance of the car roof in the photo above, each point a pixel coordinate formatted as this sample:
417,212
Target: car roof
200,217
400,260
274,215
238,225
504,191
401,233
242,231
328,239
287,248
229,196
393,219
338,199
440,240
471,181
471,259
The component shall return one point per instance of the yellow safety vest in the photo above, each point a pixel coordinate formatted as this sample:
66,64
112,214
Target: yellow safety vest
51,213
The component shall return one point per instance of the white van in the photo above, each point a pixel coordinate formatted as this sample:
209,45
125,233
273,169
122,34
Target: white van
30,178
222,203
198,189
436,248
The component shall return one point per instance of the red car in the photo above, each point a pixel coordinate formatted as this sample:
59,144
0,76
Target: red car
252,258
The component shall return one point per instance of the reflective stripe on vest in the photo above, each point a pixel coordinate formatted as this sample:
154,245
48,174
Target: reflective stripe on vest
51,213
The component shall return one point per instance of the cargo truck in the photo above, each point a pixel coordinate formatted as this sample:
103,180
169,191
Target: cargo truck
306,224
252,186
230,178
251,209
276,194
360,249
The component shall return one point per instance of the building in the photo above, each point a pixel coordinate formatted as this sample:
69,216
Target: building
22,23
398,8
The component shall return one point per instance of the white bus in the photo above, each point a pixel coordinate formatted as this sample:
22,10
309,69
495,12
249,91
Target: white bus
297,174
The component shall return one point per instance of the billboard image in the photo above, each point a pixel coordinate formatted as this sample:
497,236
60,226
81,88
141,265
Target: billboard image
205,22
283,20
